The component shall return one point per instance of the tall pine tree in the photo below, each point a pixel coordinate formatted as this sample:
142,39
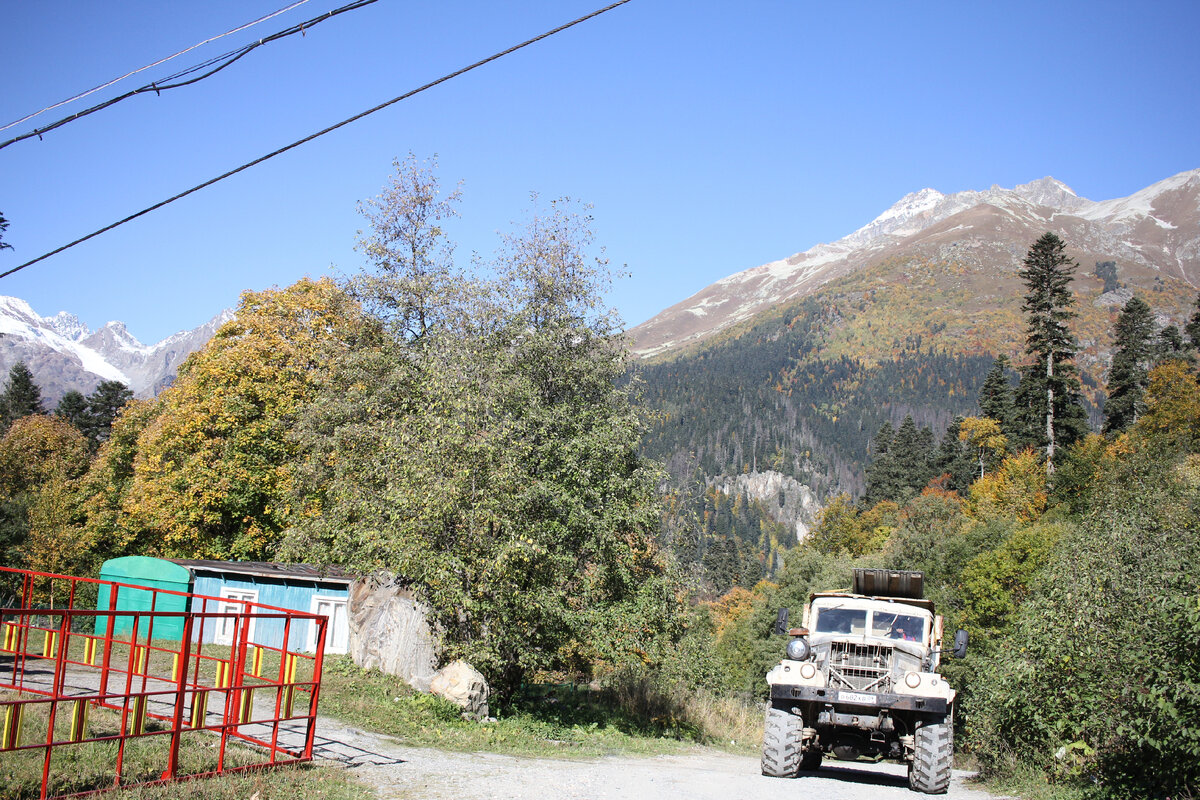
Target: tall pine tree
1127,379
21,396
996,395
1048,397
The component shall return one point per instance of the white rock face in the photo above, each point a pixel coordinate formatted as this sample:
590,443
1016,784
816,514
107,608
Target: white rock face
799,507
463,685
389,631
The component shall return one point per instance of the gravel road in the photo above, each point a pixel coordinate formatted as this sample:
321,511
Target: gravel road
409,773
702,774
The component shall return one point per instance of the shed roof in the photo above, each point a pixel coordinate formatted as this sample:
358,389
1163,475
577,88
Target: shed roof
269,569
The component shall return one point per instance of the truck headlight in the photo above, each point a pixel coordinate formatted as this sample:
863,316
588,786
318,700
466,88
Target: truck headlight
808,671
912,680
798,649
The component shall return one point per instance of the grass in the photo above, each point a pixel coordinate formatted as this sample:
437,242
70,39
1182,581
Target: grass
91,766
547,720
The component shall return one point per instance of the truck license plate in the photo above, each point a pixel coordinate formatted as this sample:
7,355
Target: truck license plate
856,697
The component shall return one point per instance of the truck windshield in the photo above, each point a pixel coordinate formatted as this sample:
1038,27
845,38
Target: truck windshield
841,620
908,627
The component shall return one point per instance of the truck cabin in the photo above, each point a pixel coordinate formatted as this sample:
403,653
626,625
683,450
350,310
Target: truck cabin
835,616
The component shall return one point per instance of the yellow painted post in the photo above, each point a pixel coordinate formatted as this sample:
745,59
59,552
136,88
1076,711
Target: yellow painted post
291,669
247,706
256,663
89,651
221,674
10,737
137,720
289,694
79,720
140,658
175,668
199,708
10,637
49,644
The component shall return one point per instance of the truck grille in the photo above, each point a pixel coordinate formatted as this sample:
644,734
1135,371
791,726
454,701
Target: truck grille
862,667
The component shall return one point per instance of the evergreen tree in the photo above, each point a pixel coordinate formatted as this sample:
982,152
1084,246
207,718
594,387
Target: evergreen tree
1048,398
1130,366
996,394
1193,327
883,477
21,396
73,408
1107,272
4,228
955,459
1169,345
103,405
913,451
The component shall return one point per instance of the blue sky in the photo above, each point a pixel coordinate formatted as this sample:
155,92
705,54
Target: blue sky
709,136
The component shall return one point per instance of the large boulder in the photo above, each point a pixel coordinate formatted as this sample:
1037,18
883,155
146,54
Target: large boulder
389,631
461,684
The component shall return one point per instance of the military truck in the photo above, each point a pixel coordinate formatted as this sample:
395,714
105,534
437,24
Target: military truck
860,678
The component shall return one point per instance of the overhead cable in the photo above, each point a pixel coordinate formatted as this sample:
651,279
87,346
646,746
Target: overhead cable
95,89
217,63
319,133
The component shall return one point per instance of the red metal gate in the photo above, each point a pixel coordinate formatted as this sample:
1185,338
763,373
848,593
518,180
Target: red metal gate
165,709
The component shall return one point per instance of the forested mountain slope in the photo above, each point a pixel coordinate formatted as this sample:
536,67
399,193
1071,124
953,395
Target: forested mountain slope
906,321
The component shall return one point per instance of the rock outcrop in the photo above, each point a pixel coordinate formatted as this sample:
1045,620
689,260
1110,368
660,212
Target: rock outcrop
389,631
463,685
786,499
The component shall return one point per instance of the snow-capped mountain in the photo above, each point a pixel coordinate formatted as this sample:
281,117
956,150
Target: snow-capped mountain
64,354
1154,230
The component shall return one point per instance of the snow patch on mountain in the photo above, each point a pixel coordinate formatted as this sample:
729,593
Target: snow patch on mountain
64,354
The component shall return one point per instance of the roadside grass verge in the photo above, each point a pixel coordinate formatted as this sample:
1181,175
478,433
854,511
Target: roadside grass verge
91,766
546,720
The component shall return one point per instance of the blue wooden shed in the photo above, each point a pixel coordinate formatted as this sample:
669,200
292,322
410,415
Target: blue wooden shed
299,587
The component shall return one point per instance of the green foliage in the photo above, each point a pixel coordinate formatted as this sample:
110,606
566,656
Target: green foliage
1193,327
1096,682
1048,402
3,230
996,582
902,463
21,396
1107,272
1129,374
996,396
480,445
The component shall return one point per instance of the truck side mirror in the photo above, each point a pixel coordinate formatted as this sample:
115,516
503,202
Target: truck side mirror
960,644
781,622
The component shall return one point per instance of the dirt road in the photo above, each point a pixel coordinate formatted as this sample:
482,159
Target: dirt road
402,773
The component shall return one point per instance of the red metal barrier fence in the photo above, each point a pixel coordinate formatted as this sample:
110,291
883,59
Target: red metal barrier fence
164,708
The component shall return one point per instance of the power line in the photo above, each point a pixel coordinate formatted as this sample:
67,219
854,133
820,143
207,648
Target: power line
95,89
319,133
222,61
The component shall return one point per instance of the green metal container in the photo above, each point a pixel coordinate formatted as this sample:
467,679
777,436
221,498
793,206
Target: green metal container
153,573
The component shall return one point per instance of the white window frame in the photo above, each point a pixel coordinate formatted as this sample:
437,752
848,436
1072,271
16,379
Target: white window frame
330,647
234,605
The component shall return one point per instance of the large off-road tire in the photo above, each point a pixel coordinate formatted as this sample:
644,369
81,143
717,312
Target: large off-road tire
781,743
811,760
933,758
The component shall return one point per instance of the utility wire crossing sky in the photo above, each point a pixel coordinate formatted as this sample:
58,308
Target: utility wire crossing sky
710,137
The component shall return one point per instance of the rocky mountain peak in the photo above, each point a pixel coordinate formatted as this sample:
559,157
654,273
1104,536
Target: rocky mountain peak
68,325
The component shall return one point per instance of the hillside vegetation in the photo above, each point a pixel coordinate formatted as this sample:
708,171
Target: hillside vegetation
480,433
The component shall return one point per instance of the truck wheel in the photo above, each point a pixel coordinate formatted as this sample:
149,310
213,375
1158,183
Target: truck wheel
811,760
933,757
781,743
